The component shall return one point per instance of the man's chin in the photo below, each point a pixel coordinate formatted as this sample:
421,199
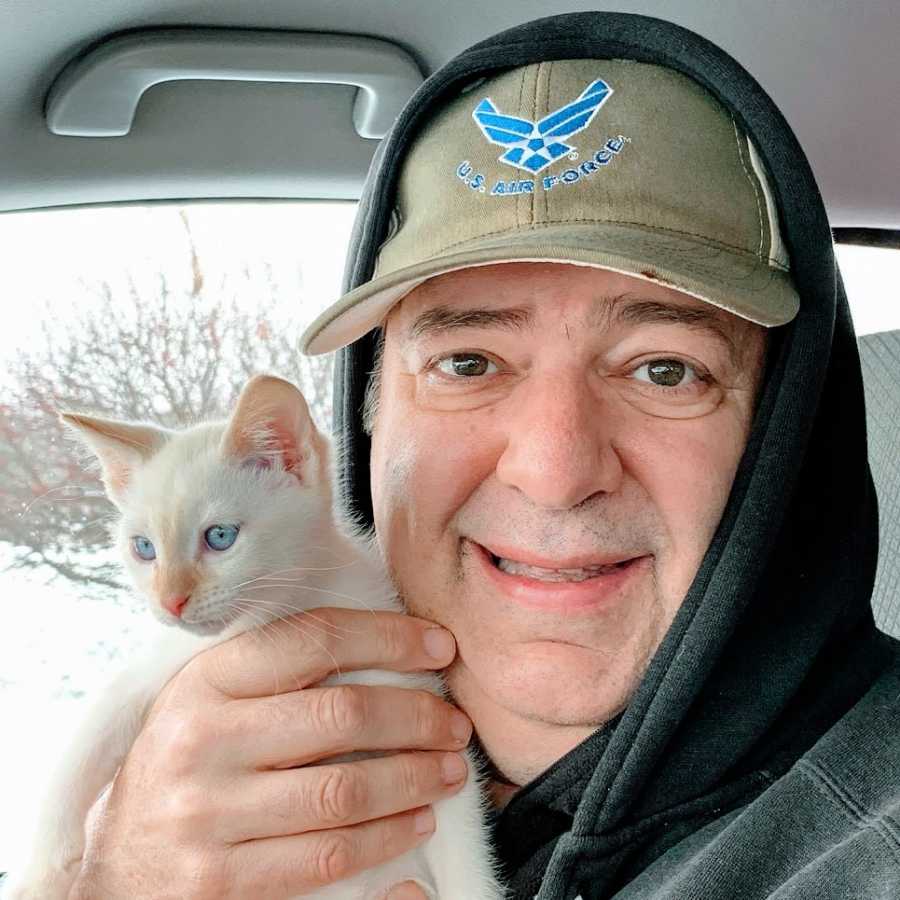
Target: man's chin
542,681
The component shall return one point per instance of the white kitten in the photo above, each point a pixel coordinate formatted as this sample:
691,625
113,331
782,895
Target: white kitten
257,488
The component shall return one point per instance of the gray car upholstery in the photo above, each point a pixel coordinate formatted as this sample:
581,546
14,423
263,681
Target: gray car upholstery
880,355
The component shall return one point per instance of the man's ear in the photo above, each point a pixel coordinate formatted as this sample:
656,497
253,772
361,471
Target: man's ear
121,447
271,426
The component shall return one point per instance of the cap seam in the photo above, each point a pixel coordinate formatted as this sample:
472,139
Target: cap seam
520,106
534,196
759,217
536,89
570,221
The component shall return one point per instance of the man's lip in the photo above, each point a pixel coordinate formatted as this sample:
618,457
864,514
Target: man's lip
594,595
576,561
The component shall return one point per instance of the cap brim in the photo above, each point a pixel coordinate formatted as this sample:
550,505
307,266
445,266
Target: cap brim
731,279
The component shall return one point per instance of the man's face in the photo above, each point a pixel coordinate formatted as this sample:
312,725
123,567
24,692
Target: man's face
555,417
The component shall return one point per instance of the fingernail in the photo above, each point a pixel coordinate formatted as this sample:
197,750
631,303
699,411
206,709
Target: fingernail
461,727
438,643
425,821
453,768
405,891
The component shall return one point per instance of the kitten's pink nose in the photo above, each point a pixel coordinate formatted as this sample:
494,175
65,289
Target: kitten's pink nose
175,604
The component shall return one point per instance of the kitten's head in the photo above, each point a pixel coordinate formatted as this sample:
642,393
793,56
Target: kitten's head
219,521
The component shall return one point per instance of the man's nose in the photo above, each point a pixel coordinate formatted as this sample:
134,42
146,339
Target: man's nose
560,443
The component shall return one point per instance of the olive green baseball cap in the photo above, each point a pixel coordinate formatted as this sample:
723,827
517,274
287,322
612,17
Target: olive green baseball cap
615,164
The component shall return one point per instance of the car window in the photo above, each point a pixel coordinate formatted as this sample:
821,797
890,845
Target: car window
872,281
153,311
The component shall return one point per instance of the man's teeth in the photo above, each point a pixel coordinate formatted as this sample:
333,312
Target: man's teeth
516,568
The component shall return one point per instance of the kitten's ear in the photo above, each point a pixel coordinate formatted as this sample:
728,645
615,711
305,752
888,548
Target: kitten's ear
121,447
271,425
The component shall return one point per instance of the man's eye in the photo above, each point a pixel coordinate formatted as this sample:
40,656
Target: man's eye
465,365
666,373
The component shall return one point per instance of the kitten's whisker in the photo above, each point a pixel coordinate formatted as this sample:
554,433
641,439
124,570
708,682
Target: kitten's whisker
241,584
306,612
328,549
306,587
59,487
260,630
273,581
297,627
87,525
279,574
222,620
287,609
291,610
310,587
306,634
287,577
345,565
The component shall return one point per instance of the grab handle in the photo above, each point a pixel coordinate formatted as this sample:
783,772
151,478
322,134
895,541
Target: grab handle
97,94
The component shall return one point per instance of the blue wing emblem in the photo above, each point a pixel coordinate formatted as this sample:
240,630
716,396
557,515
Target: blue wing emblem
535,145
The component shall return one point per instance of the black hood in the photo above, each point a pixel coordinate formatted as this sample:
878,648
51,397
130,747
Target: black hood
775,639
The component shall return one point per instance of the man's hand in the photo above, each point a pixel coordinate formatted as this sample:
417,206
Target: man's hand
205,806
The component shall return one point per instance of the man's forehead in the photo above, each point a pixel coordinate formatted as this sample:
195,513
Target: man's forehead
512,296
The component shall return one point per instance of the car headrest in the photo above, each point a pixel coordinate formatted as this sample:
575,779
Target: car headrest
880,357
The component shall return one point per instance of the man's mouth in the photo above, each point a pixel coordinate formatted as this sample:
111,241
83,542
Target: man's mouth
577,583
539,573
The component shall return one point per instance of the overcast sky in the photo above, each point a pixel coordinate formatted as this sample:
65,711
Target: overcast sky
53,258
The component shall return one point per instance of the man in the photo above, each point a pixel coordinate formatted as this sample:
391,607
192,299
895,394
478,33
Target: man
618,450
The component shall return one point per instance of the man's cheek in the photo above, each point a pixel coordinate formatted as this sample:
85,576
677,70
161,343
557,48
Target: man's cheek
694,490
439,465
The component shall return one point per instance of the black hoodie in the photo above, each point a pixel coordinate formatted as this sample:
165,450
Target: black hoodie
760,754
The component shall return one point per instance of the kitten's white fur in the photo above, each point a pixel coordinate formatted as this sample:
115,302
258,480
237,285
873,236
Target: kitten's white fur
170,486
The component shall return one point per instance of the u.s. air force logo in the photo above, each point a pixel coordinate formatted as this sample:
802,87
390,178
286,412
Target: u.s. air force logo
533,146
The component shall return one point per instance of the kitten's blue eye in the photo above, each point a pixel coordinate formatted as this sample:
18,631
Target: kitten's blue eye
143,548
221,537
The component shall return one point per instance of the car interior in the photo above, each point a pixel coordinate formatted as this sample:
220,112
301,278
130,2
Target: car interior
177,189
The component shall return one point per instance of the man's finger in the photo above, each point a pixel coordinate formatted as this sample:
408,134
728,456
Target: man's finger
318,798
295,729
299,864
293,653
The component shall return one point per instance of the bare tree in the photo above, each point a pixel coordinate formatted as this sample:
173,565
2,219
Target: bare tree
149,356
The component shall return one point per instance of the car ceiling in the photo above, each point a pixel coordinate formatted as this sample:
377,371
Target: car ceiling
832,68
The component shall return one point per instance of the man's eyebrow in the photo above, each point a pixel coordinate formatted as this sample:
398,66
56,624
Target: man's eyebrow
440,319
623,309
654,312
